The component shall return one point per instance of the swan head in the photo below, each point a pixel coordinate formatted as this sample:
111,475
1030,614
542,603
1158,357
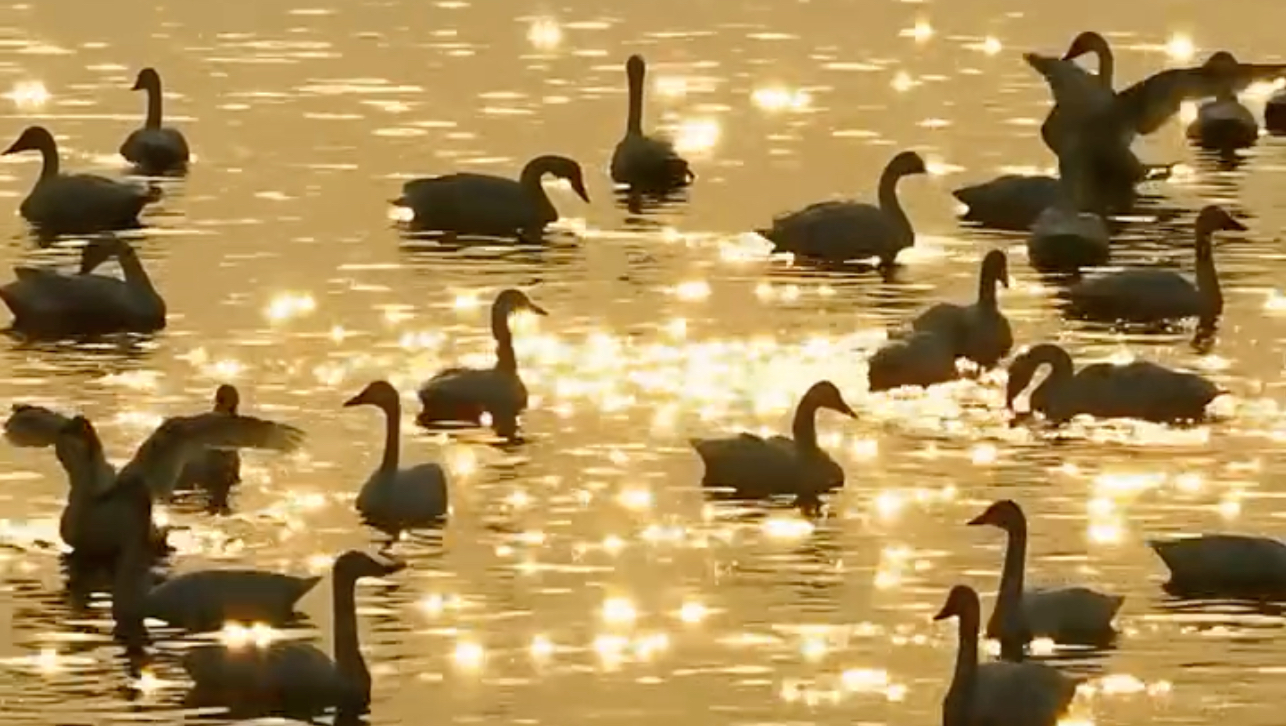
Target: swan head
564,168
635,67
825,394
1086,42
906,163
226,399
961,602
1222,63
354,565
147,79
1214,218
1004,514
77,442
1021,370
381,394
511,301
995,267
33,138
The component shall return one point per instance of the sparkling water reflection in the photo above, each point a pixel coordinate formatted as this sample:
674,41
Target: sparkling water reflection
586,560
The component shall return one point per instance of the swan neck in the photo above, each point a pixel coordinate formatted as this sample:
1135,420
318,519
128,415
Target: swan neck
634,121
1207,275
987,283
506,359
892,206
1009,600
531,182
348,650
1106,63
49,158
392,435
957,707
154,102
135,275
804,427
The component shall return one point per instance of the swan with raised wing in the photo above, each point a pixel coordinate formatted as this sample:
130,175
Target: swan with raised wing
394,499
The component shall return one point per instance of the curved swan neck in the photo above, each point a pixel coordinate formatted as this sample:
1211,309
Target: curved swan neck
634,121
530,179
49,158
804,426
1207,275
891,205
348,650
506,359
392,434
1061,368
1106,61
135,275
957,707
988,280
154,101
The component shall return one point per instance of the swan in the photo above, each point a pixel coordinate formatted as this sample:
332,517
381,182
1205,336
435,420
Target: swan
296,678
756,468
75,203
1139,389
48,304
395,499
482,205
197,601
89,523
1067,615
646,163
999,693
1154,296
839,231
1224,123
1224,565
1065,240
465,394
1275,113
1010,202
981,331
216,470
154,149
1146,106
920,359
33,426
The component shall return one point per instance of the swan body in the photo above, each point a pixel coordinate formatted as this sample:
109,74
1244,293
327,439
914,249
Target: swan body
1154,296
481,205
1009,202
1000,693
646,163
1224,123
208,599
920,360
465,394
1067,615
48,304
1139,390
75,203
394,499
295,678
1063,240
154,149
981,330
840,231
1224,565
1275,113
754,467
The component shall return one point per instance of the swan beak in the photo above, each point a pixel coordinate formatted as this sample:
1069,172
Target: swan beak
944,613
357,400
1235,226
978,520
138,85
15,148
533,307
391,566
579,188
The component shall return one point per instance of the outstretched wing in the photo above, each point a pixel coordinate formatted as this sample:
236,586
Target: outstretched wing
161,457
1150,103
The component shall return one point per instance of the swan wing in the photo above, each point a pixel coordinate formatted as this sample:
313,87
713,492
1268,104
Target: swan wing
1070,614
207,599
1020,694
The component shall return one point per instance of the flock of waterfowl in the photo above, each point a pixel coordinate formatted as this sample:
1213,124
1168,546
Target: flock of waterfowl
108,515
